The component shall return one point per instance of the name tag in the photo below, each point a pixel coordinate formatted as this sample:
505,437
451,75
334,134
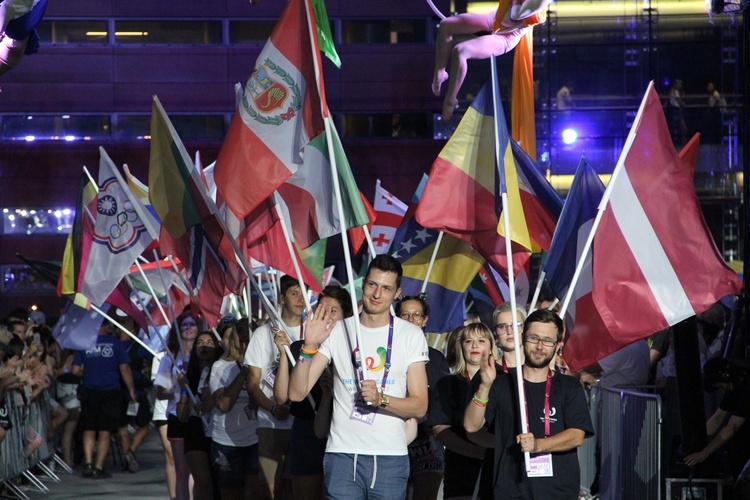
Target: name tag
132,409
363,413
541,466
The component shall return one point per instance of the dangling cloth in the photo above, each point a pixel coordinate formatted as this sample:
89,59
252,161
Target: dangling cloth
523,122
25,26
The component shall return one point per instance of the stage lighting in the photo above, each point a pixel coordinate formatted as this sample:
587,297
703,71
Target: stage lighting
569,136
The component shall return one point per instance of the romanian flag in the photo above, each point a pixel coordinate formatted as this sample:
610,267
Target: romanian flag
465,176
280,110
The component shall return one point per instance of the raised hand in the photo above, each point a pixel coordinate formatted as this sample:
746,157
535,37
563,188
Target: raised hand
319,325
487,370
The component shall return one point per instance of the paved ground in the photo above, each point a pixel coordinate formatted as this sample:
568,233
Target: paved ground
147,483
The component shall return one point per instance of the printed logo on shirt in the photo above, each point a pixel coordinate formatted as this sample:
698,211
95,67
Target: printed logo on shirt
100,351
552,413
370,361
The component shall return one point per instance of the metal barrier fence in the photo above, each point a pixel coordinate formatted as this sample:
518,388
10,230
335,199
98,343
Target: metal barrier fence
630,436
29,423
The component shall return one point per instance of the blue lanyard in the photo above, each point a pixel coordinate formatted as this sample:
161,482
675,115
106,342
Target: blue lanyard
387,368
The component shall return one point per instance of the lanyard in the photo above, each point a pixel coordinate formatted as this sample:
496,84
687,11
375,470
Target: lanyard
547,390
387,368
302,330
505,366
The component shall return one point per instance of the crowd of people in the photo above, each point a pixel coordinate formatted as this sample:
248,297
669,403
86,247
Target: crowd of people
318,405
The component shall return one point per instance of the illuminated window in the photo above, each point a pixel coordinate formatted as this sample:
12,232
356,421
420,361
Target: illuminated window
64,32
168,32
31,221
20,279
192,127
54,127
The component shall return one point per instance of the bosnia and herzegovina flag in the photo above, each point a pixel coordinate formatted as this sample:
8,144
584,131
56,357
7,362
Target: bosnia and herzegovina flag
456,264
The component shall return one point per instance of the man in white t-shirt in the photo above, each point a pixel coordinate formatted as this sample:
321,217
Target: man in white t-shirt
262,356
374,394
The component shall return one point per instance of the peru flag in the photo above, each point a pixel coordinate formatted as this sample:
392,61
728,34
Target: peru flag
654,263
279,111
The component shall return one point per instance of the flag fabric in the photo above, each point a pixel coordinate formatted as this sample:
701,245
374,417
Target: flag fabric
122,231
389,212
279,112
309,198
589,340
465,173
535,205
79,240
456,264
689,153
262,238
357,234
523,123
655,262
190,230
77,328
314,259
485,287
47,269
140,190
325,38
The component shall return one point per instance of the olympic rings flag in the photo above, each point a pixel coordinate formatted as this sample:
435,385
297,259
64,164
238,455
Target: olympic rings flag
122,232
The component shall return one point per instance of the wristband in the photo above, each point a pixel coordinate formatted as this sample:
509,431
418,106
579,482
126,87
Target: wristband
304,359
480,401
481,405
305,351
273,409
184,392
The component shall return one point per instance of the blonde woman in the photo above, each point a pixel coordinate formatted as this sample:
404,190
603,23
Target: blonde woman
463,458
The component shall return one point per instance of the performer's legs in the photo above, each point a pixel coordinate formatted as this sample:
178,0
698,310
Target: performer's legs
11,52
477,48
449,28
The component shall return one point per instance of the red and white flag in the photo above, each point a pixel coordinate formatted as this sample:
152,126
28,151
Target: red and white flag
279,111
389,212
655,262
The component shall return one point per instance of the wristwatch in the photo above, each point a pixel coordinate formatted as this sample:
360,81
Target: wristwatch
384,400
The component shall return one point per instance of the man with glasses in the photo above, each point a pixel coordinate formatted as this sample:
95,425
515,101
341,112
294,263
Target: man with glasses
556,412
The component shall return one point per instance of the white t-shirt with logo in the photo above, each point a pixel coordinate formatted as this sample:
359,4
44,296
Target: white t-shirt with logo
238,426
386,434
262,353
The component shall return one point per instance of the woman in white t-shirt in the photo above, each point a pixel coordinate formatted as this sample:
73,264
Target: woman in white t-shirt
234,438
168,384
197,417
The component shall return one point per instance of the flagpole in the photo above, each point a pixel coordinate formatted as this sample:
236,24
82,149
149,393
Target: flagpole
312,32
603,204
260,309
169,299
432,261
509,257
539,284
158,304
122,328
129,281
292,253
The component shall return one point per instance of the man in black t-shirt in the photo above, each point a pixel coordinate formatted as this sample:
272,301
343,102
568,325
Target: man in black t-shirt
557,415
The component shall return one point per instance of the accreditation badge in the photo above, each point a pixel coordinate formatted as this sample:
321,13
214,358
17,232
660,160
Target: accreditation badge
541,466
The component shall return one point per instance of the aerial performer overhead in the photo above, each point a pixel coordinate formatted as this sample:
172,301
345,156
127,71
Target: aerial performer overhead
18,19
499,32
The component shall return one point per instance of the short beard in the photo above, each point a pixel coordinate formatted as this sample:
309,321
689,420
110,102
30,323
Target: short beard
544,363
